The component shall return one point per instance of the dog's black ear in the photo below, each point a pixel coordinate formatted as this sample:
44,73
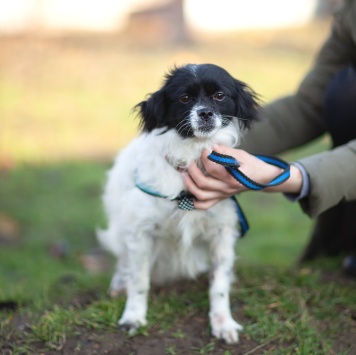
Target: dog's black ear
152,111
248,107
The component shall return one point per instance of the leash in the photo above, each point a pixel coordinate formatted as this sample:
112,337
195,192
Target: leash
186,200
232,166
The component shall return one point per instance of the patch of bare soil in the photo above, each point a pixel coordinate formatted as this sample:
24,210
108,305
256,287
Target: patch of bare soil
196,340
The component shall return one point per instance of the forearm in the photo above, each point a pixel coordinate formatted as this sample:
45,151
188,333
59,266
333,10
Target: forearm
285,124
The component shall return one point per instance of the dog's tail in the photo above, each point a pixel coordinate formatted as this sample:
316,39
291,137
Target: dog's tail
109,241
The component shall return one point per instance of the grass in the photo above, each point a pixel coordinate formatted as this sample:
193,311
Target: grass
291,308
64,111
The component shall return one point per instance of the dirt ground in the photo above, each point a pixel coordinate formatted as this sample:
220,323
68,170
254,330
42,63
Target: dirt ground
190,335
193,338
197,340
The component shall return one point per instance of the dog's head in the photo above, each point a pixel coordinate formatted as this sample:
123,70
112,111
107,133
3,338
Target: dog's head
198,100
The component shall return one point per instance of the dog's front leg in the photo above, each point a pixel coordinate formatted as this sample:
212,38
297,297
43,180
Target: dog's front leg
221,274
138,251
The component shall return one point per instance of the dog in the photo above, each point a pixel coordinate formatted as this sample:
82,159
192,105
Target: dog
153,239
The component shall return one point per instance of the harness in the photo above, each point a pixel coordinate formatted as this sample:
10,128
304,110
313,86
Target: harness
186,200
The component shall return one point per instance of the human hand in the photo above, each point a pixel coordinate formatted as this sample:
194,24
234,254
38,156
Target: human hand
219,184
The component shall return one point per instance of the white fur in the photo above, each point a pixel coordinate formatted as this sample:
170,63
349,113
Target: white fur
154,240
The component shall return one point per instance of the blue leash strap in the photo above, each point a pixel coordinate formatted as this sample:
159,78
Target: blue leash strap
232,166
244,227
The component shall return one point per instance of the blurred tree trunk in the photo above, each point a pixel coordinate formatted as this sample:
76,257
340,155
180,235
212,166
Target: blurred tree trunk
165,23
178,22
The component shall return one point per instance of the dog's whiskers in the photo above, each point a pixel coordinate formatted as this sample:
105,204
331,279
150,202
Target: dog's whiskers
240,120
183,124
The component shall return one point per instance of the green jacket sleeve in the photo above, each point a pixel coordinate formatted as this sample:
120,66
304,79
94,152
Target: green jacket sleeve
292,121
332,178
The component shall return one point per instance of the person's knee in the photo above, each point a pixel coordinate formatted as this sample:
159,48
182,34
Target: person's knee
340,106
342,88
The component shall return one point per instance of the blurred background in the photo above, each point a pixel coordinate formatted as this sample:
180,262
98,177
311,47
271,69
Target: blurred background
70,72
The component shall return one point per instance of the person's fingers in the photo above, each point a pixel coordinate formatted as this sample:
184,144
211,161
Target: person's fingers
250,165
219,172
213,169
205,205
209,183
202,194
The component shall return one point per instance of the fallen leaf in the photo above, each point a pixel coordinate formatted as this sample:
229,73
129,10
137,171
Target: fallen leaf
9,229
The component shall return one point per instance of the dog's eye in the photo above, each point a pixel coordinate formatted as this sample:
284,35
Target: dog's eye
219,96
184,99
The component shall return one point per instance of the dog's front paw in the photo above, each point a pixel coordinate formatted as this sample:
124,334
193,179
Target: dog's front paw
131,325
224,327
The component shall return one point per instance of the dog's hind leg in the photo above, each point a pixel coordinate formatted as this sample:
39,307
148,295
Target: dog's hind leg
110,240
221,274
118,281
138,253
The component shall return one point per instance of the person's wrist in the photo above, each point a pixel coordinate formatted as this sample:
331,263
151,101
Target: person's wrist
295,182
268,172
291,186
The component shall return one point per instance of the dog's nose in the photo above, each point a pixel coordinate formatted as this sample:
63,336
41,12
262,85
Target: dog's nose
205,113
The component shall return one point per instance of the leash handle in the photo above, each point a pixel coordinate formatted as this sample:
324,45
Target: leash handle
232,166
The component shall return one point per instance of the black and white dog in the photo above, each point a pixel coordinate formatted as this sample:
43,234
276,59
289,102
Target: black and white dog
153,239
